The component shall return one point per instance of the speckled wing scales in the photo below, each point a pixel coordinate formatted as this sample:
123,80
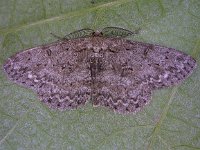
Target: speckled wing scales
101,66
118,86
123,99
162,66
133,72
53,72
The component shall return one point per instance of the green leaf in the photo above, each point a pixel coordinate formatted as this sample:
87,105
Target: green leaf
171,121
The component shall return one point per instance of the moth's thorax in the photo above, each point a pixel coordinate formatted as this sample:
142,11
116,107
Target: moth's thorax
97,44
97,48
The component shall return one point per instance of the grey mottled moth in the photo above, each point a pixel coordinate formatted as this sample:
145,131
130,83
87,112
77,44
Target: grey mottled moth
101,66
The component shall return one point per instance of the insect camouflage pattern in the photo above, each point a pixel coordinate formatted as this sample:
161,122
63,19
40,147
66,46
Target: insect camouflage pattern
99,66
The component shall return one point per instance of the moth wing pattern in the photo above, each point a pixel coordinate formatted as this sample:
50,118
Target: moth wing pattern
162,66
102,66
137,69
52,72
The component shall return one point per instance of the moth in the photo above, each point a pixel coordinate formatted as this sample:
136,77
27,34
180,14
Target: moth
98,66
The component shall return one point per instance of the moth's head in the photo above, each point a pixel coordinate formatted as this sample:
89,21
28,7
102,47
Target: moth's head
97,33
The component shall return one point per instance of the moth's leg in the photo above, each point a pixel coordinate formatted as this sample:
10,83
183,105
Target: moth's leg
76,34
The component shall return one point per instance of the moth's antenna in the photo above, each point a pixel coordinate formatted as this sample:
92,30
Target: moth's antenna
79,34
76,34
118,32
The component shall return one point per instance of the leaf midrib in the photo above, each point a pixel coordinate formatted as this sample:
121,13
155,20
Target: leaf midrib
162,118
75,13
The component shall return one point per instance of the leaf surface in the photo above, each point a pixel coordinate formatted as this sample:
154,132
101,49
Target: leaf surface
171,121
